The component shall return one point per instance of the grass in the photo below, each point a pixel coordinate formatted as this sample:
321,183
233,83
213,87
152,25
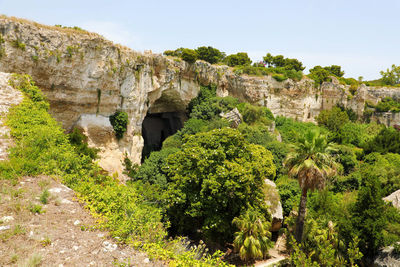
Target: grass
33,261
44,197
36,208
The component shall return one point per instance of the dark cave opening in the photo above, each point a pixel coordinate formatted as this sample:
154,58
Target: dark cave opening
156,127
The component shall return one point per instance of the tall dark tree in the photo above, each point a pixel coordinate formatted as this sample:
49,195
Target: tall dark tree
210,54
368,216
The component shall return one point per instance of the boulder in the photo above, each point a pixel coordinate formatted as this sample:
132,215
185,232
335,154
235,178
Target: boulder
275,205
387,257
233,116
394,198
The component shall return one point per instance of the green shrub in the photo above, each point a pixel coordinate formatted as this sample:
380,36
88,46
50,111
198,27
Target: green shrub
291,129
189,55
119,121
279,77
388,104
319,75
238,59
44,197
214,178
387,141
289,193
152,169
79,141
210,54
18,44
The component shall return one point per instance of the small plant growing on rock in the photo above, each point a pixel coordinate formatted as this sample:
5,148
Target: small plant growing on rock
44,197
119,121
45,241
18,44
36,209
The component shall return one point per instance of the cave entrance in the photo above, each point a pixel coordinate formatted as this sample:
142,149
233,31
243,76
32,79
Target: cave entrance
157,127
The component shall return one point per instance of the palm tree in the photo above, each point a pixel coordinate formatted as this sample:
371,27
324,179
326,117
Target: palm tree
312,164
252,241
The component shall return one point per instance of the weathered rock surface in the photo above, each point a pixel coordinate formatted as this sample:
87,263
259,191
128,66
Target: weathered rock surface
387,258
233,116
275,205
85,75
394,198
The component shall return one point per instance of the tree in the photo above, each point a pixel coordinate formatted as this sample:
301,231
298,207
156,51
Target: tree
215,177
210,54
368,216
189,55
239,59
319,75
335,70
312,165
252,241
391,77
280,61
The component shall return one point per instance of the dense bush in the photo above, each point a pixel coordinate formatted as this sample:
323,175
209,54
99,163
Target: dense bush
239,59
210,54
359,134
387,141
333,119
368,217
189,55
119,121
388,104
215,177
291,129
255,114
79,141
289,193
151,171
319,75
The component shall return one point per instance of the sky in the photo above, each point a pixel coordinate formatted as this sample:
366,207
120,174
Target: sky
361,36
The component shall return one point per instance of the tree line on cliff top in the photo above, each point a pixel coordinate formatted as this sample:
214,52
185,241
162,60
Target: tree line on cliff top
280,67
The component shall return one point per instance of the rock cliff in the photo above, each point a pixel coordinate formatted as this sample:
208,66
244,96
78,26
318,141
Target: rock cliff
87,78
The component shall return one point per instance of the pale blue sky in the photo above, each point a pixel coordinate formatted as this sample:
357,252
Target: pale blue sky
361,36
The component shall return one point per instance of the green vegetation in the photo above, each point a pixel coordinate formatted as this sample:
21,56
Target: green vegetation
388,104
312,165
119,121
253,239
282,62
215,177
238,59
392,76
210,54
18,44
279,67
207,182
41,147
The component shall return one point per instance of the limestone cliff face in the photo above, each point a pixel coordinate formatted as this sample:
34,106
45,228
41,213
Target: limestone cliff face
87,78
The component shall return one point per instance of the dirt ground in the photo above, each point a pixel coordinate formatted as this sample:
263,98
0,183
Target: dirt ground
59,233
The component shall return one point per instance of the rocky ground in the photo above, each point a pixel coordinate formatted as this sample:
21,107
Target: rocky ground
59,233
